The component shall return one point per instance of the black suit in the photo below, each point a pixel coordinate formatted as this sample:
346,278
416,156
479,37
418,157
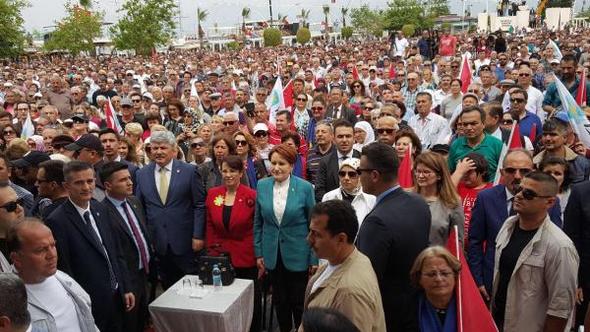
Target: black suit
327,177
84,259
392,235
134,320
576,225
345,113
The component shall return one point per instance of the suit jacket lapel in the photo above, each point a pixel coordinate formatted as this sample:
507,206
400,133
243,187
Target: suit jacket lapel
120,221
333,167
151,182
80,224
174,175
290,198
272,206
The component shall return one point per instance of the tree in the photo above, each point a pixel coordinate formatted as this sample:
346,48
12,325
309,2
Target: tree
202,16
368,21
344,12
346,32
245,15
87,4
409,30
272,37
12,34
303,35
77,31
146,24
304,17
401,12
438,8
559,4
326,10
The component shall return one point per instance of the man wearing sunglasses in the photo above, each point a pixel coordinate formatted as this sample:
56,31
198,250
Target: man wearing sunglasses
526,120
492,207
24,195
536,265
11,212
535,97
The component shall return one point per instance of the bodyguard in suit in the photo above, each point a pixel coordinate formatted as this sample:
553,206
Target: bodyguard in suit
492,207
338,111
128,218
173,197
88,250
577,226
327,178
392,235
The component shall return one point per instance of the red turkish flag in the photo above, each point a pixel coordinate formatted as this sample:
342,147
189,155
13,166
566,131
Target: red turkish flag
404,173
465,75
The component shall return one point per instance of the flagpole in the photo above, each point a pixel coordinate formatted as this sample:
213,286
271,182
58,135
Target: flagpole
459,294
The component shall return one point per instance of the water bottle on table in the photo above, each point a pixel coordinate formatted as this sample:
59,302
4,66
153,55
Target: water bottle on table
216,277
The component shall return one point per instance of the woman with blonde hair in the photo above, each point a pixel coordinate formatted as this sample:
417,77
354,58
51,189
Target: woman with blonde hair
433,182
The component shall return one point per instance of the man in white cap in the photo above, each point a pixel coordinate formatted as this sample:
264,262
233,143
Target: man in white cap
261,133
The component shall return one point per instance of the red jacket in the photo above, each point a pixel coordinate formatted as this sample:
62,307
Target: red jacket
239,240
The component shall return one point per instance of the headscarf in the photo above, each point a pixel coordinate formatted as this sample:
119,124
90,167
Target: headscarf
39,145
367,128
353,163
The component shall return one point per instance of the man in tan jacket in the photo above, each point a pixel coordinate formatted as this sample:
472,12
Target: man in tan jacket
347,283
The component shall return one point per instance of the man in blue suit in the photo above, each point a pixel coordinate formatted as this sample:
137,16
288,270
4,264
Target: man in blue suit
492,207
172,194
87,249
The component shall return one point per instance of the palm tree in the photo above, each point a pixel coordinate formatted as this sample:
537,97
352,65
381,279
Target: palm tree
326,10
245,15
201,16
304,16
344,12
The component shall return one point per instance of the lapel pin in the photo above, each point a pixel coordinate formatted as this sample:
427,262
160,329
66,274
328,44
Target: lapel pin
177,171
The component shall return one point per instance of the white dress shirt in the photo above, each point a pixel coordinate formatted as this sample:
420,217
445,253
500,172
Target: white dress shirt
534,103
362,203
342,157
280,191
433,129
168,173
81,211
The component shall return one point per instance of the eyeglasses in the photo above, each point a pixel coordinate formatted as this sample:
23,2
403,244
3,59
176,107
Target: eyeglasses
434,274
369,108
317,108
512,170
301,99
11,206
240,142
517,100
524,74
351,174
8,132
260,134
136,100
473,91
229,123
356,86
528,194
196,145
455,67
388,131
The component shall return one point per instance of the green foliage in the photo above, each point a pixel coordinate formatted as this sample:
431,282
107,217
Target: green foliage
272,37
585,13
12,35
304,16
77,31
438,8
233,45
245,15
409,30
146,24
559,4
368,21
446,26
402,12
346,32
303,36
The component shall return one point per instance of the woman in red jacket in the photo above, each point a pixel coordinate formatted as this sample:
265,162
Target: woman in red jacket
230,225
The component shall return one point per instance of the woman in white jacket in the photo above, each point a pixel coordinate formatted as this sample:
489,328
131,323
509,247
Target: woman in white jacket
350,189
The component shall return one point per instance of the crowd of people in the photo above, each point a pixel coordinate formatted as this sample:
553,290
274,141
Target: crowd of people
118,173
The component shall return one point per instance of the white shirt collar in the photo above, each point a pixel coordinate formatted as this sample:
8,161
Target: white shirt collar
284,183
509,195
80,210
340,154
168,166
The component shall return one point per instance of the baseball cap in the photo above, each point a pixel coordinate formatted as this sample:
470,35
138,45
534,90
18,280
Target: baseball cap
78,117
126,102
88,141
148,96
259,127
31,158
507,82
554,61
61,141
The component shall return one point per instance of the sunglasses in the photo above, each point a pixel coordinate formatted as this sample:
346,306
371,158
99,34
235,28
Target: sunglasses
507,122
524,75
240,142
229,123
260,134
196,145
368,108
389,131
528,194
136,100
517,100
317,108
473,91
351,174
301,99
356,86
455,67
512,170
11,206
8,132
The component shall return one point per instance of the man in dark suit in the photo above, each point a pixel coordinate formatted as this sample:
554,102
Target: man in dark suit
392,235
128,221
492,207
87,250
327,177
110,141
577,227
175,217
338,111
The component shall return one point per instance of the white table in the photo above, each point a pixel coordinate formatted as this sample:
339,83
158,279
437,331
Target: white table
229,309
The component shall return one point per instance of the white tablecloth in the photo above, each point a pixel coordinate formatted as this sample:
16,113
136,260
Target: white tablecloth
227,310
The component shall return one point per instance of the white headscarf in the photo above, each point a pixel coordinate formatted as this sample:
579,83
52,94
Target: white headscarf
367,128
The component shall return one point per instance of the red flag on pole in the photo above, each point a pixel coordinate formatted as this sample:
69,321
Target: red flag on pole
404,172
581,96
533,133
288,94
355,73
472,313
391,71
465,74
111,117
514,142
